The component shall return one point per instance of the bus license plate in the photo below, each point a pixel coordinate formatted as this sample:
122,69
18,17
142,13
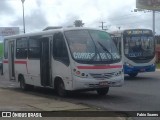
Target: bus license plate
103,83
142,70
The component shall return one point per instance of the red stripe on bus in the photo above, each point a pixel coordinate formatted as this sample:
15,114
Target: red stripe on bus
20,62
16,62
99,67
5,61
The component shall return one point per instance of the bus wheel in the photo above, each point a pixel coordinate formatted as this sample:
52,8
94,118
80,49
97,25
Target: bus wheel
102,91
133,74
23,85
61,89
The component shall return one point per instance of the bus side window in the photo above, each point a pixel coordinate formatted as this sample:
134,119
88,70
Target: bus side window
21,48
34,47
60,49
6,49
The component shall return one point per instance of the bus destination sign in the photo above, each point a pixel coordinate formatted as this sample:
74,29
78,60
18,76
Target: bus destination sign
137,32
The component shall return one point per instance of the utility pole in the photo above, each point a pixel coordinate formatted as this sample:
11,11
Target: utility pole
154,23
103,25
24,30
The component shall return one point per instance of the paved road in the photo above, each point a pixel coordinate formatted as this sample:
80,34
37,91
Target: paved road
139,94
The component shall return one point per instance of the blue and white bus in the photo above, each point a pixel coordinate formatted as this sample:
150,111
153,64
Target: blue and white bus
137,49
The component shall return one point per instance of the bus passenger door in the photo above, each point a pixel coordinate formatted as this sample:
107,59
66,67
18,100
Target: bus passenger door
45,62
11,61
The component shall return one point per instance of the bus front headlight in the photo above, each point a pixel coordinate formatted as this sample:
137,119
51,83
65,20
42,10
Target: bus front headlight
129,65
79,73
153,64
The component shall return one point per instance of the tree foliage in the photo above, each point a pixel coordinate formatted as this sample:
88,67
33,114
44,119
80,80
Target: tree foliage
78,23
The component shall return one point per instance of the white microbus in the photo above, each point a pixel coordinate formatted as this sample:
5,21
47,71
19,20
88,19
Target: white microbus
65,59
137,48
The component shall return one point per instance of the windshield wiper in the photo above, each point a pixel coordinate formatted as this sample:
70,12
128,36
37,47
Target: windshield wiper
106,50
96,53
96,50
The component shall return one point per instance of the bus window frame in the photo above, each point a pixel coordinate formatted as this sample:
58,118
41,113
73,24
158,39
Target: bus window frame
64,60
18,39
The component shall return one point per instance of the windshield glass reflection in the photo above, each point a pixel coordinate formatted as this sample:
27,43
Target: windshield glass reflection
139,46
91,45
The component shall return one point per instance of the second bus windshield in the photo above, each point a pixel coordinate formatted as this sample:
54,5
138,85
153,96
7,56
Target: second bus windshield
137,46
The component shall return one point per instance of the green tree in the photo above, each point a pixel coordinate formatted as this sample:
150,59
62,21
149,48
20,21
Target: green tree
1,49
78,23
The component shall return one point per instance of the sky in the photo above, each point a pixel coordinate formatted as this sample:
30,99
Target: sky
39,14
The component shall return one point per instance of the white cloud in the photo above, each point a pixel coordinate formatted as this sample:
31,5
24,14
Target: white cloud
116,13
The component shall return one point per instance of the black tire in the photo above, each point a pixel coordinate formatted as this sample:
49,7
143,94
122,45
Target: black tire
102,91
133,74
23,85
60,89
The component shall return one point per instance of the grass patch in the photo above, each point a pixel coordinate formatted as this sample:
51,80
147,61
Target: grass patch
158,65
1,49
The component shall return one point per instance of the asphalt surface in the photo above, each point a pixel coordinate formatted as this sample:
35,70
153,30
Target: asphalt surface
141,93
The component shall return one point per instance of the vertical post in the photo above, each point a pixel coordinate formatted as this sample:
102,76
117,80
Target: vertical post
154,27
153,22
102,25
23,16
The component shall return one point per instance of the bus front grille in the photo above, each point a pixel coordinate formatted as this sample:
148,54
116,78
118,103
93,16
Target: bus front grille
104,75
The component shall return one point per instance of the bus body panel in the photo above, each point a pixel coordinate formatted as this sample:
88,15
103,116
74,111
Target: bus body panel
97,76
64,72
133,67
33,67
21,68
5,69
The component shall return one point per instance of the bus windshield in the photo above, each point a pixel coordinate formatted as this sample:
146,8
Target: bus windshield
91,46
139,46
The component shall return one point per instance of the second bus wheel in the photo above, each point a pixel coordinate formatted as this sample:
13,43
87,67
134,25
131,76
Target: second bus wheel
60,88
102,91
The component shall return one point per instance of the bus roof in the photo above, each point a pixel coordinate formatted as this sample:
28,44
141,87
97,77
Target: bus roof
119,32
50,31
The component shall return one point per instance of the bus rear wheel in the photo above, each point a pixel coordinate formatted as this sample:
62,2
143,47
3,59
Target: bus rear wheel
103,91
133,74
23,85
61,89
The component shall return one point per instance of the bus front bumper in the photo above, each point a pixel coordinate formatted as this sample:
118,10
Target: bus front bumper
88,83
137,69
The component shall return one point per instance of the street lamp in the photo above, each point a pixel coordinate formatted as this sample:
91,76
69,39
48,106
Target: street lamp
23,16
